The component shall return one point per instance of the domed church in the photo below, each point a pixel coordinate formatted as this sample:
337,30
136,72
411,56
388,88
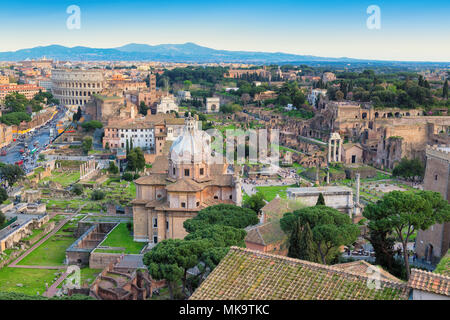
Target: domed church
185,183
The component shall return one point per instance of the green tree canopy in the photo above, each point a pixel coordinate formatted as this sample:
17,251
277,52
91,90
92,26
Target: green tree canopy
86,145
171,259
330,228
409,169
255,202
15,118
403,213
113,169
3,195
320,200
219,235
222,214
135,159
91,125
11,173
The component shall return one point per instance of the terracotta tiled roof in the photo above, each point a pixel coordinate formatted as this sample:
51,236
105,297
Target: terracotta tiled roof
154,178
223,181
430,282
160,165
265,234
245,275
213,202
276,208
184,185
362,267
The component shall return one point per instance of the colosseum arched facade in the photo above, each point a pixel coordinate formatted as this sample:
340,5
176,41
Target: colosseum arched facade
75,87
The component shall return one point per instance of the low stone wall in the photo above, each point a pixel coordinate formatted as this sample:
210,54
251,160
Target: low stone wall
13,256
365,172
100,260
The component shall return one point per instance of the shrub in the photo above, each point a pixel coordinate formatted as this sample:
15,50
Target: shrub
127,176
77,189
97,195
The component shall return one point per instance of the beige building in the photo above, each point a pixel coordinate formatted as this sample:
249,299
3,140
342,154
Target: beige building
4,79
167,105
74,87
183,184
28,90
6,135
433,243
340,198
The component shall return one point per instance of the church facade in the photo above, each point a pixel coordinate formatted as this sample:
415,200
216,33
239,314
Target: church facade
189,182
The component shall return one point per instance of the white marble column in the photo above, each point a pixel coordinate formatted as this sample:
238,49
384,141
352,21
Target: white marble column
339,150
329,150
334,150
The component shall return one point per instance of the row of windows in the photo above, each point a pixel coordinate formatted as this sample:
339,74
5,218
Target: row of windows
187,172
74,101
183,204
135,136
77,85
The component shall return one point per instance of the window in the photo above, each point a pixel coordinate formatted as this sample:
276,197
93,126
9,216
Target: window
202,171
183,204
436,177
231,196
155,239
174,171
167,224
186,172
155,222
216,197
198,204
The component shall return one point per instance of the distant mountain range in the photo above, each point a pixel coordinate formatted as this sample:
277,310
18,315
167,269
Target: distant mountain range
187,52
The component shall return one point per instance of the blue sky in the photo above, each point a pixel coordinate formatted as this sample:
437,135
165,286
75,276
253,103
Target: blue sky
410,30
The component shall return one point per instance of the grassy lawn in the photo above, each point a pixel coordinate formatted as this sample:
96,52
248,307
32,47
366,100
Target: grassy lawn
121,237
64,178
271,192
33,280
52,252
88,275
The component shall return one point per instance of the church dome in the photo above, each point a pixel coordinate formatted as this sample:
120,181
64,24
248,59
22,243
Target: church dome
192,145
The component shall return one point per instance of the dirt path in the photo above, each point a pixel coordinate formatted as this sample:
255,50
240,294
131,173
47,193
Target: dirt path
51,291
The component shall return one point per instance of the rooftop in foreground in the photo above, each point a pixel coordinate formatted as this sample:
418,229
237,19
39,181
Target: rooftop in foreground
246,275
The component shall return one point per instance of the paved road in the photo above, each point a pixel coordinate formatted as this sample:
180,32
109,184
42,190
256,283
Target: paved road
40,135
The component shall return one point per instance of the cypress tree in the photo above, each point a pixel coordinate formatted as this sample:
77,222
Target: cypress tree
128,147
320,200
420,81
307,249
445,90
294,242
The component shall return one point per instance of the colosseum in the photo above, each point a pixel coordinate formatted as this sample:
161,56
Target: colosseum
74,88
